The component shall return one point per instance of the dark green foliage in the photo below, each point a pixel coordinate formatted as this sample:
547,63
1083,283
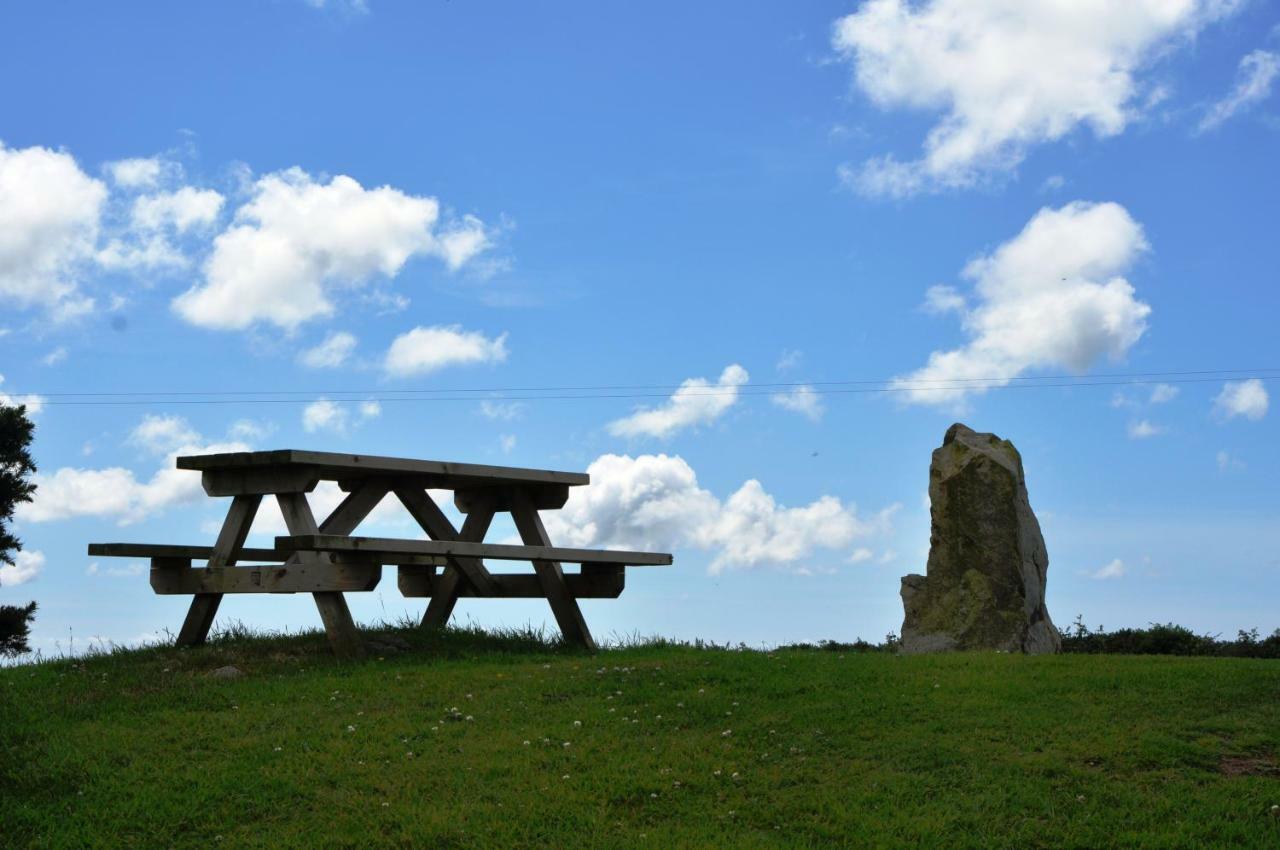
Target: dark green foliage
15,626
16,468
1167,639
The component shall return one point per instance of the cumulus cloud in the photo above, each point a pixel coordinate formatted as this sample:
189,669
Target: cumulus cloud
1162,393
1242,398
115,492
298,240
331,353
136,172
1005,75
25,567
1054,295
427,349
696,402
803,400
502,411
50,214
1254,79
182,209
655,502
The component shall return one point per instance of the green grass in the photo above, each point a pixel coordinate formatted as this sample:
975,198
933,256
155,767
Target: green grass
677,747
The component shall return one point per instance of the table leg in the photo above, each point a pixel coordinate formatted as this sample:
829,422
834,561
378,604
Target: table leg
235,528
444,595
568,615
334,613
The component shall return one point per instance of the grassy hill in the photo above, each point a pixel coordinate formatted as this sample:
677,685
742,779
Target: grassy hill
465,740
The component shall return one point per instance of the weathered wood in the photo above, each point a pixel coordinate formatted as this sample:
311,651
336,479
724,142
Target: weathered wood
338,624
428,515
460,570
358,504
156,551
335,466
295,578
204,607
378,547
419,582
279,479
545,497
550,574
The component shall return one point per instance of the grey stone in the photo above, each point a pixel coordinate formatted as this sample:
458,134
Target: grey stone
987,559
228,672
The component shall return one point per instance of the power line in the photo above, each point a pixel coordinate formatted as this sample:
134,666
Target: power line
572,394
1224,373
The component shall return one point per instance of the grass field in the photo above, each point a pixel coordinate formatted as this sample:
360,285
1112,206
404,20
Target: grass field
489,741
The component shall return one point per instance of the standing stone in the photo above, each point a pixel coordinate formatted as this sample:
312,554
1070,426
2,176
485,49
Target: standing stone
987,559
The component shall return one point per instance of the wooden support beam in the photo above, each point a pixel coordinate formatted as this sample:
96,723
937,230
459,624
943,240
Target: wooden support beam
386,547
334,612
255,480
550,574
355,507
460,570
167,579
428,515
204,607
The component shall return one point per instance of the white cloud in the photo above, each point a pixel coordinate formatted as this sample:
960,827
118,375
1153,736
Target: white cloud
53,358
1054,295
1242,398
1053,183
181,210
25,567
249,431
1254,78
941,299
860,555
789,359
1162,393
324,415
1005,75
164,434
331,353
34,403
1143,429
370,410
115,492
503,411
654,502
136,173
297,241
696,402
802,399
508,443
50,213
1115,569
427,349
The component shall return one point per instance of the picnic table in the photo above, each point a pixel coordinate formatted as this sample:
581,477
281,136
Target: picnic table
325,560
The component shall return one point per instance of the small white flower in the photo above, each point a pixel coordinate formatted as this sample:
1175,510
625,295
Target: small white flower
526,743
566,744
577,723
351,728
726,733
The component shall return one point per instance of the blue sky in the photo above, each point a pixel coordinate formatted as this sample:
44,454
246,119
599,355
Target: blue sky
768,200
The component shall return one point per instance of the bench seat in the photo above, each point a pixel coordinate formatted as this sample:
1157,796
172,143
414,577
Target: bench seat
387,549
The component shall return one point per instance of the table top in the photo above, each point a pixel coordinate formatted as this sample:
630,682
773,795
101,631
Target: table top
334,466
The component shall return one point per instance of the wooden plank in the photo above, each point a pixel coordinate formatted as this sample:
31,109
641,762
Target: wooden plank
377,547
334,465
231,537
418,582
297,578
338,624
456,576
266,480
271,556
428,515
550,574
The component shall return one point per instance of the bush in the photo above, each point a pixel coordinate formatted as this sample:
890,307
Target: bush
1167,639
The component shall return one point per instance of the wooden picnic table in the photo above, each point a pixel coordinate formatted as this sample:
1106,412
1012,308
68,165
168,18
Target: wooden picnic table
324,559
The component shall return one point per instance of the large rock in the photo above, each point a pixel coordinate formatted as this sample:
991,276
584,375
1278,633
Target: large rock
987,560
